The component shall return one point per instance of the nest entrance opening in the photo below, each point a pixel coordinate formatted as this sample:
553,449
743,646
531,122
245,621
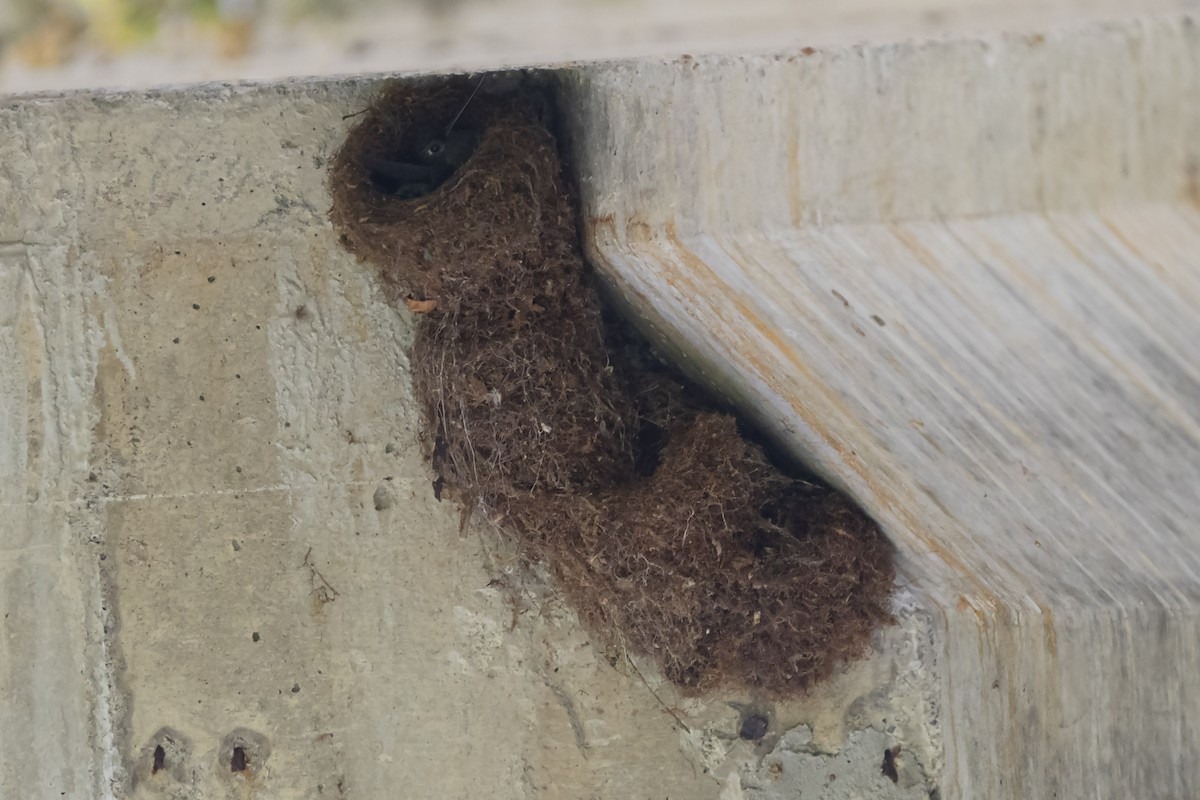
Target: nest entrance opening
663,526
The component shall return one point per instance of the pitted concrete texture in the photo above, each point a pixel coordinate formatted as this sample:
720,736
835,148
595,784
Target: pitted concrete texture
224,573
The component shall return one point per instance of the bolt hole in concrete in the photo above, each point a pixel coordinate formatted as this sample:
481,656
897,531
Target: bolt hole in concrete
166,753
670,532
160,758
753,728
244,752
889,764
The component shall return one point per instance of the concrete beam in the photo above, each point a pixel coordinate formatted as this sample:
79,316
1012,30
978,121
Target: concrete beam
958,277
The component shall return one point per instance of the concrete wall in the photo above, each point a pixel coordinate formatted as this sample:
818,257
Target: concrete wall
956,275
220,531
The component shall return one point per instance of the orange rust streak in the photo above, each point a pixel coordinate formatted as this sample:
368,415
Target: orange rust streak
764,371
1120,236
795,183
1049,632
911,243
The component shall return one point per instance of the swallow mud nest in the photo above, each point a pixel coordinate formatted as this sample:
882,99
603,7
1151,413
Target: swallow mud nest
669,533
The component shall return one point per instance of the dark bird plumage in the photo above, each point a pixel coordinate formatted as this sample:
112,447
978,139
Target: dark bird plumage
430,166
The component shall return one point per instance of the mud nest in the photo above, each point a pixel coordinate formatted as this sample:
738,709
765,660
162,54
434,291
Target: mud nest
669,532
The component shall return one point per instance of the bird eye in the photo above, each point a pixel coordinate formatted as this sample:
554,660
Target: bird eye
434,149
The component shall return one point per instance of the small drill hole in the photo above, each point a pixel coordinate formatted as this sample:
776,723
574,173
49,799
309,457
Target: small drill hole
754,728
889,764
160,758
238,762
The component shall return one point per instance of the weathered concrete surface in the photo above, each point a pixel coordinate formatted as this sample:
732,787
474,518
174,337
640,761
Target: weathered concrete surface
219,531
960,278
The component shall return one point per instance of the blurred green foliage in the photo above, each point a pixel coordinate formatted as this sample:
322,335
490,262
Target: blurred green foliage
120,23
44,32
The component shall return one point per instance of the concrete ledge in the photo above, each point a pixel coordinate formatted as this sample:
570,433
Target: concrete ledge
959,278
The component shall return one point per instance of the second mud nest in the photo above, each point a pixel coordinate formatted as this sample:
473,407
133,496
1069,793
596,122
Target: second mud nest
665,528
